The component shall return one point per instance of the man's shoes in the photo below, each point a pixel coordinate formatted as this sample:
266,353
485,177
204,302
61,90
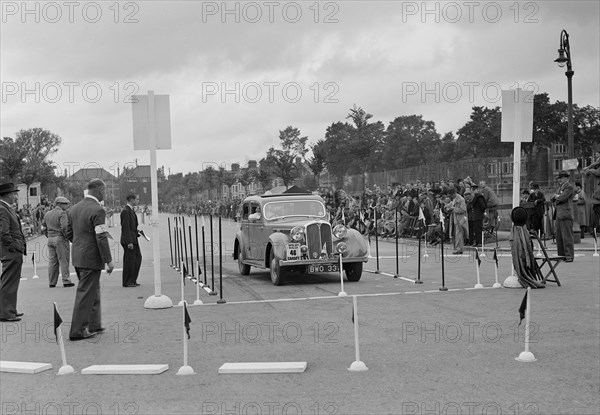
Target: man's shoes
10,319
68,284
137,285
130,285
20,314
569,260
98,330
86,335
52,286
457,253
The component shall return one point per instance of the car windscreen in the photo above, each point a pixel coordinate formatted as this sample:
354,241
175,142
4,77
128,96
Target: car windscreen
283,209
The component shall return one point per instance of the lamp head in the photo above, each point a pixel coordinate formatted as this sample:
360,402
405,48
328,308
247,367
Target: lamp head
562,59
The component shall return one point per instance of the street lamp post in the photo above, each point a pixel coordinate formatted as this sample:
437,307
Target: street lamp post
564,57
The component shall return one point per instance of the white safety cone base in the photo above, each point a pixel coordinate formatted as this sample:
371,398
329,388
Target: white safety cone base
358,366
526,357
158,301
512,282
185,370
65,370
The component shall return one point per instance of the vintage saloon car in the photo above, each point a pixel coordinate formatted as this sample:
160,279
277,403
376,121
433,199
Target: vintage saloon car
290,232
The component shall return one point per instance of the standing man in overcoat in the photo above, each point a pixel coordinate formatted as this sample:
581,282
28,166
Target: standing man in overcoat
54,226
91,252
12,249
563,201
132,256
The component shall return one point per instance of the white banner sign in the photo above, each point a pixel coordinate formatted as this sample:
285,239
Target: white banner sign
142,119
517,116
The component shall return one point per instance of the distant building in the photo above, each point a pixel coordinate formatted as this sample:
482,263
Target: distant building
77,183
33,197
136,180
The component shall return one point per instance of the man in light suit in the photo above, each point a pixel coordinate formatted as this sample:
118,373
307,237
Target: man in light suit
563,201
87,230
132,256
12,249
54,226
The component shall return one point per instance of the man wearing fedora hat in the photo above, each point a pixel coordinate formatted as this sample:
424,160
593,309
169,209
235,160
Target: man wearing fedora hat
563,202
12,249
55,224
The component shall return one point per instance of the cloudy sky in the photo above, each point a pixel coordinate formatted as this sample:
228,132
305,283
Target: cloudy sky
239,72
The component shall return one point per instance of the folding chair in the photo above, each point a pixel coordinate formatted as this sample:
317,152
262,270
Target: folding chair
551,261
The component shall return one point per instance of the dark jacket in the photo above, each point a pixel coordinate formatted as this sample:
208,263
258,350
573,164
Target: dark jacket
476,208
87,230
129,226
11,235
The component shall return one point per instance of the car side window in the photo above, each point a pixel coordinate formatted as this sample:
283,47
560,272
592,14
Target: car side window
245,211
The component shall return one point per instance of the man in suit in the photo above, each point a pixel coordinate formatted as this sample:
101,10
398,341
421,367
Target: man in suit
54,226
536,213
87,230
563,202
12,249
132,256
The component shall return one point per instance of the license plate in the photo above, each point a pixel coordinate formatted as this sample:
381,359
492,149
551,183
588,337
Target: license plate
319,268
293,251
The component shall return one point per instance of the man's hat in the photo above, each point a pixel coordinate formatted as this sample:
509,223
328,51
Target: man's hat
6,188
61,199
563,173
519,216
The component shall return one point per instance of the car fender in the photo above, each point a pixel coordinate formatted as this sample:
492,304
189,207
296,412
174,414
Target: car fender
278,242
357,246
237,242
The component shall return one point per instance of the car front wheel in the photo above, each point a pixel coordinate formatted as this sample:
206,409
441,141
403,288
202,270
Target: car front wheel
276,270
353,271
244,269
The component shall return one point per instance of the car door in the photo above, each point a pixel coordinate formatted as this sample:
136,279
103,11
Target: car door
255,231
245,232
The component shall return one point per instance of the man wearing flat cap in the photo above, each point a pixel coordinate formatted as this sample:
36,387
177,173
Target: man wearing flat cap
12,249
536,213
563,202
54,225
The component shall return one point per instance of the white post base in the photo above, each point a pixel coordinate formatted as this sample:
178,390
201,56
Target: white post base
185,370
478,286
526,357
180,303
342,294
65,370
35,277
358,366
497,285
198,302
512,282
158,301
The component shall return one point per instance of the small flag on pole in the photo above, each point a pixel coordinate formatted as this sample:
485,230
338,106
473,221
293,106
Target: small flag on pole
187,320
421,215
57,322
33,257
523,308
595,235
184,273
352,313
496,256
477,257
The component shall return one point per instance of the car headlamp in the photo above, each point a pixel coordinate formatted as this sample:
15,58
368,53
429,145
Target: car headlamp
341,247
340,231
297,233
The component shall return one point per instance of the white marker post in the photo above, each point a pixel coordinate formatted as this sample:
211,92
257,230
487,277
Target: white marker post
342,293
496,284
517,126
185,369
198,300
425,255
35,276
65,369
526,356
482,243
183,277
152,131
539,252
595,244
357,365
479,284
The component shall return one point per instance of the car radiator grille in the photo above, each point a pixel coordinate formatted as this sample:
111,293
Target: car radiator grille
318,234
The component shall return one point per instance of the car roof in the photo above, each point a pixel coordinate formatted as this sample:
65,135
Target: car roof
262,199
